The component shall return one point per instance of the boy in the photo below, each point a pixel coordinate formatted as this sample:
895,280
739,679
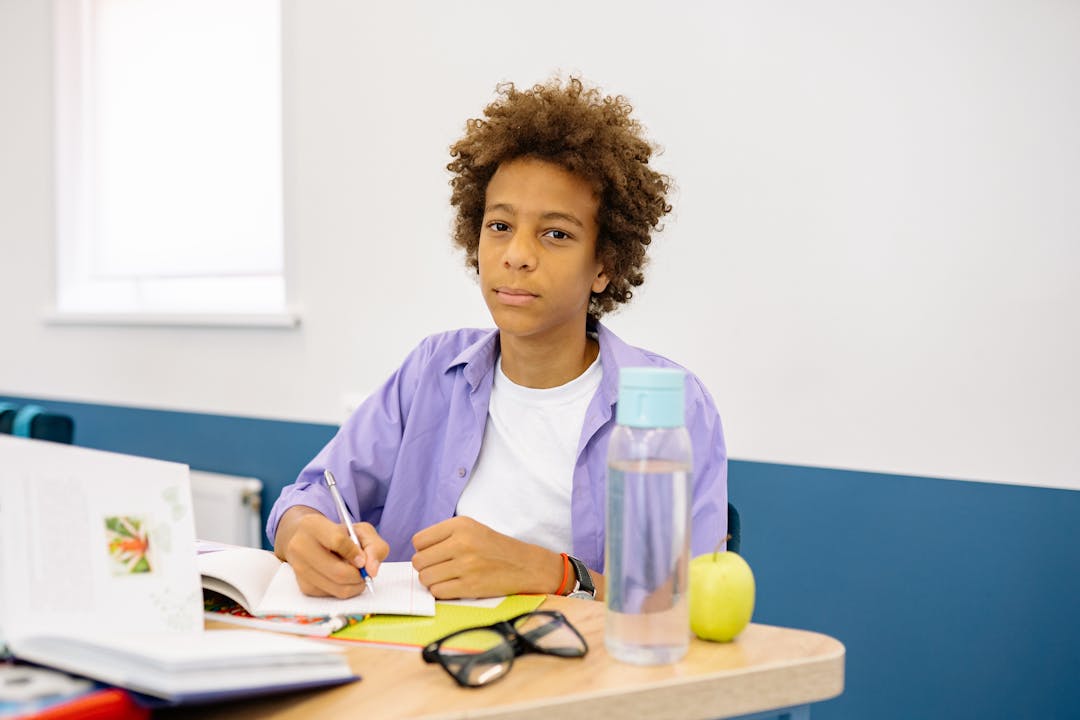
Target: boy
483,458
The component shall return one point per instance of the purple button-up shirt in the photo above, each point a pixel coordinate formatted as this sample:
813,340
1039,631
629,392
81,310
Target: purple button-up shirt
402,459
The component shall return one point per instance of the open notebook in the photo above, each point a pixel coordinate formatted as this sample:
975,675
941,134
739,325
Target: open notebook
98,577
263,585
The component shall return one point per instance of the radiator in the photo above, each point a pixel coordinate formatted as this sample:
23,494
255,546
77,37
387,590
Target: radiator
227,508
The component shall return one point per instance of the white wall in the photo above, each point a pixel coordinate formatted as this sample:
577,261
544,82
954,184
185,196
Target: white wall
873,261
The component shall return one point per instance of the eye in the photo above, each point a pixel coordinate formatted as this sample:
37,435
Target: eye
499,227
557,235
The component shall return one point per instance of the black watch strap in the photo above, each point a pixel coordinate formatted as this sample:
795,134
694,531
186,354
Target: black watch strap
584,582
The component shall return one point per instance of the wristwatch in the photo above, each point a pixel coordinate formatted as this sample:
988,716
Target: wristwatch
583,586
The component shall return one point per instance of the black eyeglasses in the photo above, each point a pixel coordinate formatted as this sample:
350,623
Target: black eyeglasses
479,656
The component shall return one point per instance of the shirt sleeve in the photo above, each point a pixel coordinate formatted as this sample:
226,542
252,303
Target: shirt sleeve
362,454
709,509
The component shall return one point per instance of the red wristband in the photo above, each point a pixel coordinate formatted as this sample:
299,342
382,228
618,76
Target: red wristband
565,574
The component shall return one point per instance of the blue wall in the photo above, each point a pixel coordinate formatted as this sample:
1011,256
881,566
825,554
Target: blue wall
954,599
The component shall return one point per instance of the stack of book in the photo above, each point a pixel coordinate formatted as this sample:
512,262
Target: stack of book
99,578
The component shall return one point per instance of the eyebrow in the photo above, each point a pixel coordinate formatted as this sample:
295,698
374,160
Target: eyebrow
551,215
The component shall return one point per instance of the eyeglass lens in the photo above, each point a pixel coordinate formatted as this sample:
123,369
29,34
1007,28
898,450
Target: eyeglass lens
479,656
550,634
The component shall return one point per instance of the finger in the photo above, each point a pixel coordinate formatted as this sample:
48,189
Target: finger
311,583
441,552
452,589
324,531
344,578
375,549
439,574
337,540
460,587
319,570
319,586
435,534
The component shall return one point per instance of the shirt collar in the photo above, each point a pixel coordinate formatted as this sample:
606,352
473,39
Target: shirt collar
614,353
478,358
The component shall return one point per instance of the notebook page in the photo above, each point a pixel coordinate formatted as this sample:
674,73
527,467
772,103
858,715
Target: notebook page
397,592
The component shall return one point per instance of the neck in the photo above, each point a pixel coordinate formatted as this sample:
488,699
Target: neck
542,364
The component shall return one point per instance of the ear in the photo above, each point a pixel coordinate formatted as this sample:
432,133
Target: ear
600,282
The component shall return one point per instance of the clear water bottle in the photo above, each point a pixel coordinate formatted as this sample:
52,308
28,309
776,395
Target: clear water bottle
647,548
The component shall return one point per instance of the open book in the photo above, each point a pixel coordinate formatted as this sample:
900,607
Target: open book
263,585
193,667
98,577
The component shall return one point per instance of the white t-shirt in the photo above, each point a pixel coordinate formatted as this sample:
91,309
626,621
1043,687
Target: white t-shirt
521,484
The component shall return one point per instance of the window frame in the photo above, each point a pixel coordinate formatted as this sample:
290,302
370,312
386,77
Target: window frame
79,296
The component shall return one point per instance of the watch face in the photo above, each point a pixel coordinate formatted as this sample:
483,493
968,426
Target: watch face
581,595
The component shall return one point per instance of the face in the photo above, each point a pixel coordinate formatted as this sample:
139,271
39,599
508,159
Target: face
537,251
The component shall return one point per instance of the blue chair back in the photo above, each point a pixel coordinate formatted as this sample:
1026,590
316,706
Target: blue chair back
734,529
34,421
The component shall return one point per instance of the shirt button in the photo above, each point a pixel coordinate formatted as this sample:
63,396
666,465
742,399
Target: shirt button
461,472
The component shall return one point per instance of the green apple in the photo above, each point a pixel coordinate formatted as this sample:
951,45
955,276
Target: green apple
721,595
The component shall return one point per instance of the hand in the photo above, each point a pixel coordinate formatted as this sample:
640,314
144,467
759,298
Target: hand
324,557
461,558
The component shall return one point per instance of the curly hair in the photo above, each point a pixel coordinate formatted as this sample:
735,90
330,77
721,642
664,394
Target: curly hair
586,133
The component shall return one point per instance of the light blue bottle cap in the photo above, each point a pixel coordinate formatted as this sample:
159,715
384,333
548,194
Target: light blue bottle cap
651,397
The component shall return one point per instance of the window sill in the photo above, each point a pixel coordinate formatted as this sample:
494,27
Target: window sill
283,320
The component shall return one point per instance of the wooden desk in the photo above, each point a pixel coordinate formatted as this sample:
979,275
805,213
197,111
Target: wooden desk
766,668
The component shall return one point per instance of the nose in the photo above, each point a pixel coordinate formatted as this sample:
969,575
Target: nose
520,251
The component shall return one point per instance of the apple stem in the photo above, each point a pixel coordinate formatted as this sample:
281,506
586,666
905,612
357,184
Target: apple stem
723,540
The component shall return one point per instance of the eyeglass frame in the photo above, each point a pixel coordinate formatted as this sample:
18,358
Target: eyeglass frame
518,642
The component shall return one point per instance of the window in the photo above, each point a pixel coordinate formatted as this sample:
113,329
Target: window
169,187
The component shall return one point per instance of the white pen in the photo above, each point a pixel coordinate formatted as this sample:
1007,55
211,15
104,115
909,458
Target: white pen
343,513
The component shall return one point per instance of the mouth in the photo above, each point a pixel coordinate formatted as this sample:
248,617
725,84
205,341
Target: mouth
514,296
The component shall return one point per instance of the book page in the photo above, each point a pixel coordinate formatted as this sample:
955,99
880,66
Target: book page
397,592
215,663
241,574
94,539
210,650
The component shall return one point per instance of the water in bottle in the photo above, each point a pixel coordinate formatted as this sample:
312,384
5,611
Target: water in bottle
648,520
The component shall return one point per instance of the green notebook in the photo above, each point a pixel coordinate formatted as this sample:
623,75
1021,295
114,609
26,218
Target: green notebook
419,631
